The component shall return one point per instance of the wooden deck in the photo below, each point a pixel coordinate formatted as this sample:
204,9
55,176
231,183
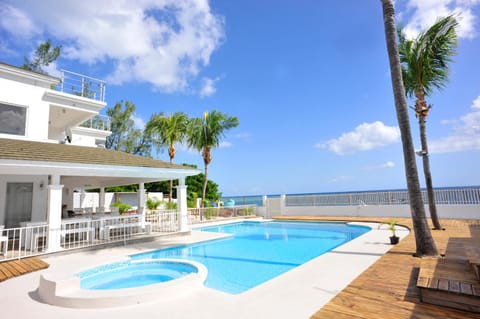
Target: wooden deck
13,268
388,289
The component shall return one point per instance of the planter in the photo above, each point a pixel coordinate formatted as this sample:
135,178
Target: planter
394,240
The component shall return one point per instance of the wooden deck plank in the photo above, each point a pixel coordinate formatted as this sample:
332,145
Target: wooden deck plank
388,288
13,268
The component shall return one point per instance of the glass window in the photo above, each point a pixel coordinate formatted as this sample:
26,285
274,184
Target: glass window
12,119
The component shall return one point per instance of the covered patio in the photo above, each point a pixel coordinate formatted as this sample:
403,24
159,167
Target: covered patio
37,182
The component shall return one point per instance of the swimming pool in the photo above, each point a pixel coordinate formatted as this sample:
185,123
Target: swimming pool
259,251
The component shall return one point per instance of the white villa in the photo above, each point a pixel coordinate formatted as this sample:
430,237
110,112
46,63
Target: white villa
51,143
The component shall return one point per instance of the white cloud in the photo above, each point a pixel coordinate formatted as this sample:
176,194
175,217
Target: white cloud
162,42
426,12
225,144
16,21
366,136
388,164
138,122
244,135
208,87
465,136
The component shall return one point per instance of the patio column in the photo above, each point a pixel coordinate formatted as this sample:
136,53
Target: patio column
141,203
54,214
101,200
283,200
182,205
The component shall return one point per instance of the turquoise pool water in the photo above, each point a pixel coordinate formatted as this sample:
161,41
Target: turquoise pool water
258,252
127,274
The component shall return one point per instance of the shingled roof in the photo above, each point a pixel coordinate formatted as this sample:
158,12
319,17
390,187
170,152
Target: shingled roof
11,149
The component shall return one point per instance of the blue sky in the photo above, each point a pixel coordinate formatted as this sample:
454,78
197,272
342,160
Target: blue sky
309,81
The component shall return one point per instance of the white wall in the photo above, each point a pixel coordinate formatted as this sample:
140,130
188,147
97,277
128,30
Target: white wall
28,96
444,211
39,200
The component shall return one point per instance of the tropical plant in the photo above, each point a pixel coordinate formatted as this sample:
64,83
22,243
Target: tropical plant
125,136
205,133
44,55
122,207
153,203
166,131
425,246
425,62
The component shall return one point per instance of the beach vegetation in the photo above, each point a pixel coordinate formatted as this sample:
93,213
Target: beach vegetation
167,131
425,245
425,64
205,134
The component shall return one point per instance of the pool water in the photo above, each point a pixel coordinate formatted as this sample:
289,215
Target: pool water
258,252
129,274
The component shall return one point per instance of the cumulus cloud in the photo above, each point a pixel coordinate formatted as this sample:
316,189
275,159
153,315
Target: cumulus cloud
225,144
208,87
16,21
426,12
366,136
162,42
138,122
388,164
465,136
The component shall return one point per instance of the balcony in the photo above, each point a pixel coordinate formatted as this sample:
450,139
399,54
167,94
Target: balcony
98,122
81,85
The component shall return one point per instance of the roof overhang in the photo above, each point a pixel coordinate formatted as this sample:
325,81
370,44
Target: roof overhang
78,175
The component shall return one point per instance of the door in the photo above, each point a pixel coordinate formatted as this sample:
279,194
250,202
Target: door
18,207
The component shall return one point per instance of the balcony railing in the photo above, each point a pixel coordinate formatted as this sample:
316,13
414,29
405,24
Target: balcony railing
82,85
98,122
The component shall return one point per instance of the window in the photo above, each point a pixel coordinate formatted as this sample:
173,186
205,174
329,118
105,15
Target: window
12,119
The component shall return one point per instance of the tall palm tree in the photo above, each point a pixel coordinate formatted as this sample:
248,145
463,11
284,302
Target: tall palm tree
425,61
169,130
205,133
425,246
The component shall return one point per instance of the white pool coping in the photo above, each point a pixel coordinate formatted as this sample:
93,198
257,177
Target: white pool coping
298,293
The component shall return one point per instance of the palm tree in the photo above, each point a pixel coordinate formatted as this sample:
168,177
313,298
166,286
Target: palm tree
168,131
425,62
425,246
205,133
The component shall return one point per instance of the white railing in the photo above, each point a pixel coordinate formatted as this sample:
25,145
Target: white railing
22,242
460,196
163,220
196,215
98,122
82,85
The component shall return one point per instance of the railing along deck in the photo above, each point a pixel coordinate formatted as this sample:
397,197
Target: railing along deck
455,196
82,85
96,229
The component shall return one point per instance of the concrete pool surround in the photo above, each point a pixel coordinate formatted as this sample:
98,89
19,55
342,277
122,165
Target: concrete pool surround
65,290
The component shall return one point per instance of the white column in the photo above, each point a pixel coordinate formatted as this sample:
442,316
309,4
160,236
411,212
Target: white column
182,205
141,203
265,206
101,200
283,200
54,213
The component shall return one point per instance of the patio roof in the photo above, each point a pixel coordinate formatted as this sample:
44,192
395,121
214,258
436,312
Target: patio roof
81,166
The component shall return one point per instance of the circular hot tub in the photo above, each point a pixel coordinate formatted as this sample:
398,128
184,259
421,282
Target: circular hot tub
129,274
123,283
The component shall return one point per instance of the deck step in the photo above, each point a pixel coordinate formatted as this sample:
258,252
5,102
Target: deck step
450,283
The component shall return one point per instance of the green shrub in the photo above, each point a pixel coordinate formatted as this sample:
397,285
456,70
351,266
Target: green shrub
122,207
153,203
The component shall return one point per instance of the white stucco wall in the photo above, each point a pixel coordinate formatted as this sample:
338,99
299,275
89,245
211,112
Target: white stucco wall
30,97
444,211
39,199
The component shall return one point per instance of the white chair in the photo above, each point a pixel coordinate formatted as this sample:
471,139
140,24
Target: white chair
3,241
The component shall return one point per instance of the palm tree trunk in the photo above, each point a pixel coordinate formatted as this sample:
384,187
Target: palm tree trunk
425,246
171,185
428,176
